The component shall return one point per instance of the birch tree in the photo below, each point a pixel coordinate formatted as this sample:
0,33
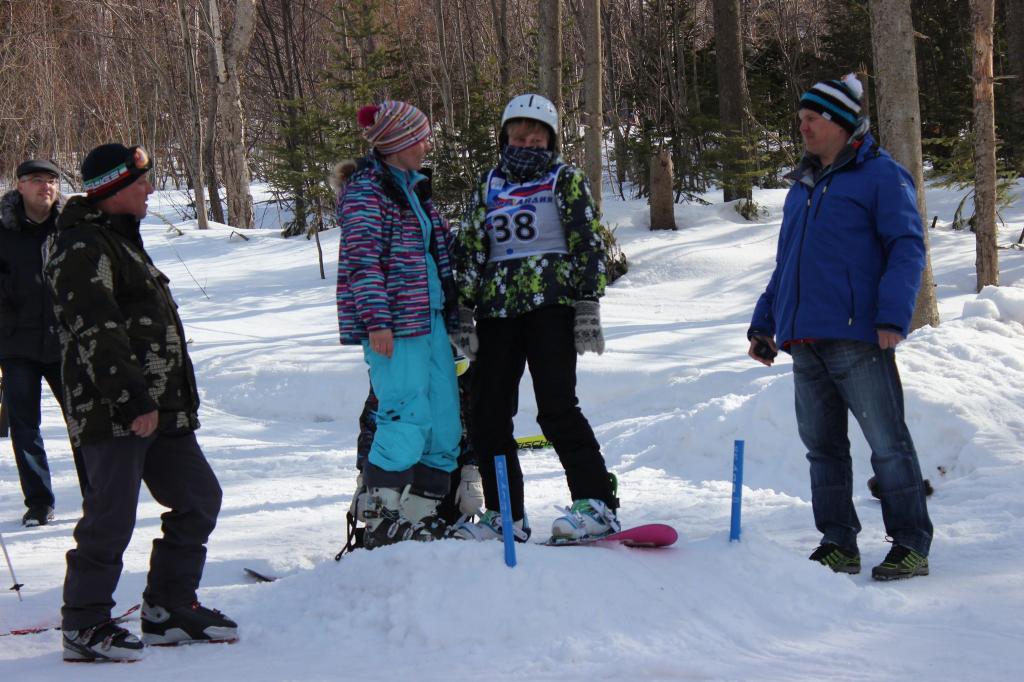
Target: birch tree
194,159
229,57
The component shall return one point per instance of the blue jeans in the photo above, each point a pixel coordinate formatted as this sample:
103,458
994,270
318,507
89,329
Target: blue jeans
22,394
833,378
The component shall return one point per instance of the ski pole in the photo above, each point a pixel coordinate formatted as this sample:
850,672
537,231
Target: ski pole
737,490
505,503
10,567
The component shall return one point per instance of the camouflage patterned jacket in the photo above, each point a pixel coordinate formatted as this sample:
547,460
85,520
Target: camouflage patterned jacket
123,348
512,287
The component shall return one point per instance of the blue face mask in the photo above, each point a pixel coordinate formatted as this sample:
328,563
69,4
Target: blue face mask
525,162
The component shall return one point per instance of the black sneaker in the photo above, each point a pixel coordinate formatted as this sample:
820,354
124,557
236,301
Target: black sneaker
164,626
104,642
836,558
901,562
37,516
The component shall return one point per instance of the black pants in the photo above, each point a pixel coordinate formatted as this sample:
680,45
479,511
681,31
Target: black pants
22,395
179,477
542,339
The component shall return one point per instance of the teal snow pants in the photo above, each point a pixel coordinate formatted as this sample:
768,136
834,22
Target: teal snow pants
418,416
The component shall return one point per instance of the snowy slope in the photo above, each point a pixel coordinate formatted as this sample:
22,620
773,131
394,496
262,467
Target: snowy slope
667,400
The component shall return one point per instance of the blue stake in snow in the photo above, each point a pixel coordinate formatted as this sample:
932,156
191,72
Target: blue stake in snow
505,504
737,490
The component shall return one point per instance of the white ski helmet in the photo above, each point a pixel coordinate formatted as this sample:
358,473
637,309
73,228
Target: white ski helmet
533,107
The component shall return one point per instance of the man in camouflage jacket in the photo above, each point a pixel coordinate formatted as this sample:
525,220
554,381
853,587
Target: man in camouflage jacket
132,404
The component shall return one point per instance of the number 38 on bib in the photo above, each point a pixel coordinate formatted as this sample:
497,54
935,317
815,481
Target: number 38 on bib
522,217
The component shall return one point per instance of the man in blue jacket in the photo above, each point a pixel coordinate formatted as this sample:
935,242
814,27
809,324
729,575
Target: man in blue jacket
848,267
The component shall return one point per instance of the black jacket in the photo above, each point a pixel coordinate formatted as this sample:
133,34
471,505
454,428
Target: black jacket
122,343
27,323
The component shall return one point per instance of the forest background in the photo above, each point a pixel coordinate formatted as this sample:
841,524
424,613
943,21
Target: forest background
226,92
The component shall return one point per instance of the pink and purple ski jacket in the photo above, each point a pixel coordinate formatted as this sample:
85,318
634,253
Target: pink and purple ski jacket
382,268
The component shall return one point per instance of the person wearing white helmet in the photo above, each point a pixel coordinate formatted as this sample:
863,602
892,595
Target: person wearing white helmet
530,265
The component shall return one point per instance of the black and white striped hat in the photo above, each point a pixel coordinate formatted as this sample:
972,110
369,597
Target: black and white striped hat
836,100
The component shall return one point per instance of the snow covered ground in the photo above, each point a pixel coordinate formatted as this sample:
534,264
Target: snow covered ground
667,399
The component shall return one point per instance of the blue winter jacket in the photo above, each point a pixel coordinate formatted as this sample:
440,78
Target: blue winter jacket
850,253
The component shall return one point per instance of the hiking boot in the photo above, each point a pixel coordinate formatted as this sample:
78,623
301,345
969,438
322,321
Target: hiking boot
104,642
37,516
163,626
586,518
901,562
837,558
489,528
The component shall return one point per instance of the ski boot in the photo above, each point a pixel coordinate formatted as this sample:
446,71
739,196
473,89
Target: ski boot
489,528
186,624
385,524
586,518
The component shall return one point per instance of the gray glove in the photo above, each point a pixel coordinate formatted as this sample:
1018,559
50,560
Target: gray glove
587,328
465,337
470,493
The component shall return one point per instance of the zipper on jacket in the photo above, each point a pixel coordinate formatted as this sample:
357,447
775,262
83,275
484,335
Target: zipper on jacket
800,257
821,199
853,302
827,178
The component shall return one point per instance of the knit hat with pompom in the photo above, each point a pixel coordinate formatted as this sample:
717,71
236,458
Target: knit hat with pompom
392,126
836,100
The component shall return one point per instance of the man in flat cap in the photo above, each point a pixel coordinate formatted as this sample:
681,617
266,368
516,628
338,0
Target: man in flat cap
29,350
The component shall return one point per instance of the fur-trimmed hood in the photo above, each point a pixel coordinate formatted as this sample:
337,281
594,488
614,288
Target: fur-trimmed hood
12,210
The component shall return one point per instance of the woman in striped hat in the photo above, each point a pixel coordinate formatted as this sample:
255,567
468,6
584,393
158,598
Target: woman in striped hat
396,298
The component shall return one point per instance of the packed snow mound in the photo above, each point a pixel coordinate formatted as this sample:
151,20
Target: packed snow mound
668,398
1005,304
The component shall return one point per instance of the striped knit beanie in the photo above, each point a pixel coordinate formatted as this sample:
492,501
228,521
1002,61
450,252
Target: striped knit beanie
392,126
836,100
109,168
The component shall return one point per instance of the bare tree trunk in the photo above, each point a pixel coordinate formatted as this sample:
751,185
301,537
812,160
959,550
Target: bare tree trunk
499,11
593,105
210,138
549,40
446,78
899,121
195,158
987,262
732,97
1013,33
661,199
230,60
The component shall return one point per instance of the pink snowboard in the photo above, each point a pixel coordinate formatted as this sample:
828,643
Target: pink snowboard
648,535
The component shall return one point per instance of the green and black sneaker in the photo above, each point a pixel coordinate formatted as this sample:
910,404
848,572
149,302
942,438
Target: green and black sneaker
836,558
901,562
